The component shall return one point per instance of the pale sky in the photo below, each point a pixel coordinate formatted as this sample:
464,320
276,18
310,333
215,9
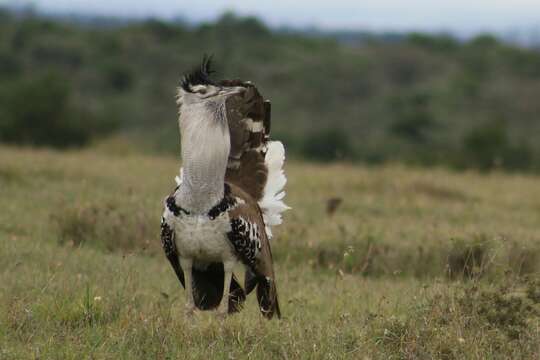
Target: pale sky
459,16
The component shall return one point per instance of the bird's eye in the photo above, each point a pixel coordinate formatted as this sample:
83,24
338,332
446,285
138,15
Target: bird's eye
202,91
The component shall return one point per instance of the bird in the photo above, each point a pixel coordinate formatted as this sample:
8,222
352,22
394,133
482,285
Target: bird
228,195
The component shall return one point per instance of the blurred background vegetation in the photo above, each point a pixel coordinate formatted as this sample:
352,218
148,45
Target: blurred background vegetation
414,98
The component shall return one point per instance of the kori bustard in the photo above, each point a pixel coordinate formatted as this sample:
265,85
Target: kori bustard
229,194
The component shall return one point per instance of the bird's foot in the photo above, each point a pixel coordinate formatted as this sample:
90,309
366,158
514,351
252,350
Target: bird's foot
222,313
189,311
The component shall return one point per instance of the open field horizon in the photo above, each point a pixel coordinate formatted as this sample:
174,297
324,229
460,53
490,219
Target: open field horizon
415,263
418,98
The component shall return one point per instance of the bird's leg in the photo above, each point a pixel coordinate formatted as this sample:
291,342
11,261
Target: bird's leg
223,308
186,265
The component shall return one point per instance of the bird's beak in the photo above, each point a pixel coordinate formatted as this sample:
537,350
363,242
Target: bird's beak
229,91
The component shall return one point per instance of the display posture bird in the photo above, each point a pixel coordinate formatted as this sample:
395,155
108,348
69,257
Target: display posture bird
228,196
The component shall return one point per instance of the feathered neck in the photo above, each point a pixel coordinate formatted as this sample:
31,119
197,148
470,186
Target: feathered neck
205,144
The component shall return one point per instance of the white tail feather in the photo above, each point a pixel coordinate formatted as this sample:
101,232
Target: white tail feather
272,204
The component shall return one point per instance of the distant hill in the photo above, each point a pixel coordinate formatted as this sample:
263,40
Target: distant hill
417,98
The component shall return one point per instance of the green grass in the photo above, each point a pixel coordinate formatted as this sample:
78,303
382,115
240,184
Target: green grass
413,264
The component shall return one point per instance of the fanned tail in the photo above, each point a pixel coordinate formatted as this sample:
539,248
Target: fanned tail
255,162
272,204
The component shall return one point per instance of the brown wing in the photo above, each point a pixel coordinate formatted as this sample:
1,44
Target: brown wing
249,124
249,239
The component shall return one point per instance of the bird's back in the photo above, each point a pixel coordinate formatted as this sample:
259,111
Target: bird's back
255,162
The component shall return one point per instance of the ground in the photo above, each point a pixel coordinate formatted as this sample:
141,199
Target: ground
413,264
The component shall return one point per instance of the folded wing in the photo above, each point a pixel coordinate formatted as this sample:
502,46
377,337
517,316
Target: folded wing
255,162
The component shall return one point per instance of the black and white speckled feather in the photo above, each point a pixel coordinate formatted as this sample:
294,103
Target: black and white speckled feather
246,240
167,239
169,247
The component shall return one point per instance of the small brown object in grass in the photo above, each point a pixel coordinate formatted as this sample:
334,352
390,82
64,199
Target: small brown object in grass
332,205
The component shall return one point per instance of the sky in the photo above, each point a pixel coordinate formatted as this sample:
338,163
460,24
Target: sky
457,16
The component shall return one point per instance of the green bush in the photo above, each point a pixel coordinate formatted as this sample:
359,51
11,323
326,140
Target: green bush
9,65
56,55
161,30
440,43
243,25
124,74
118,76
413,119
327,145
39,112
488,146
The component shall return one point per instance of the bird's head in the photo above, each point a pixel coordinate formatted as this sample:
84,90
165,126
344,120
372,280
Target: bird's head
204,128
200,99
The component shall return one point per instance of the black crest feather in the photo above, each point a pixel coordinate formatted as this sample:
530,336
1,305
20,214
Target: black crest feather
199,76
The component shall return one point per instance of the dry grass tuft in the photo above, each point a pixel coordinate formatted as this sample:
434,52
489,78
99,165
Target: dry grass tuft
456,324
110,226
468,259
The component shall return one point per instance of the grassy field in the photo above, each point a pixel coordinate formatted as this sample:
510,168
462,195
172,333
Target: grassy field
415,264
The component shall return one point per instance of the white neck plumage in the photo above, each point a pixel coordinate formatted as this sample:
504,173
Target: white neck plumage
206,144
